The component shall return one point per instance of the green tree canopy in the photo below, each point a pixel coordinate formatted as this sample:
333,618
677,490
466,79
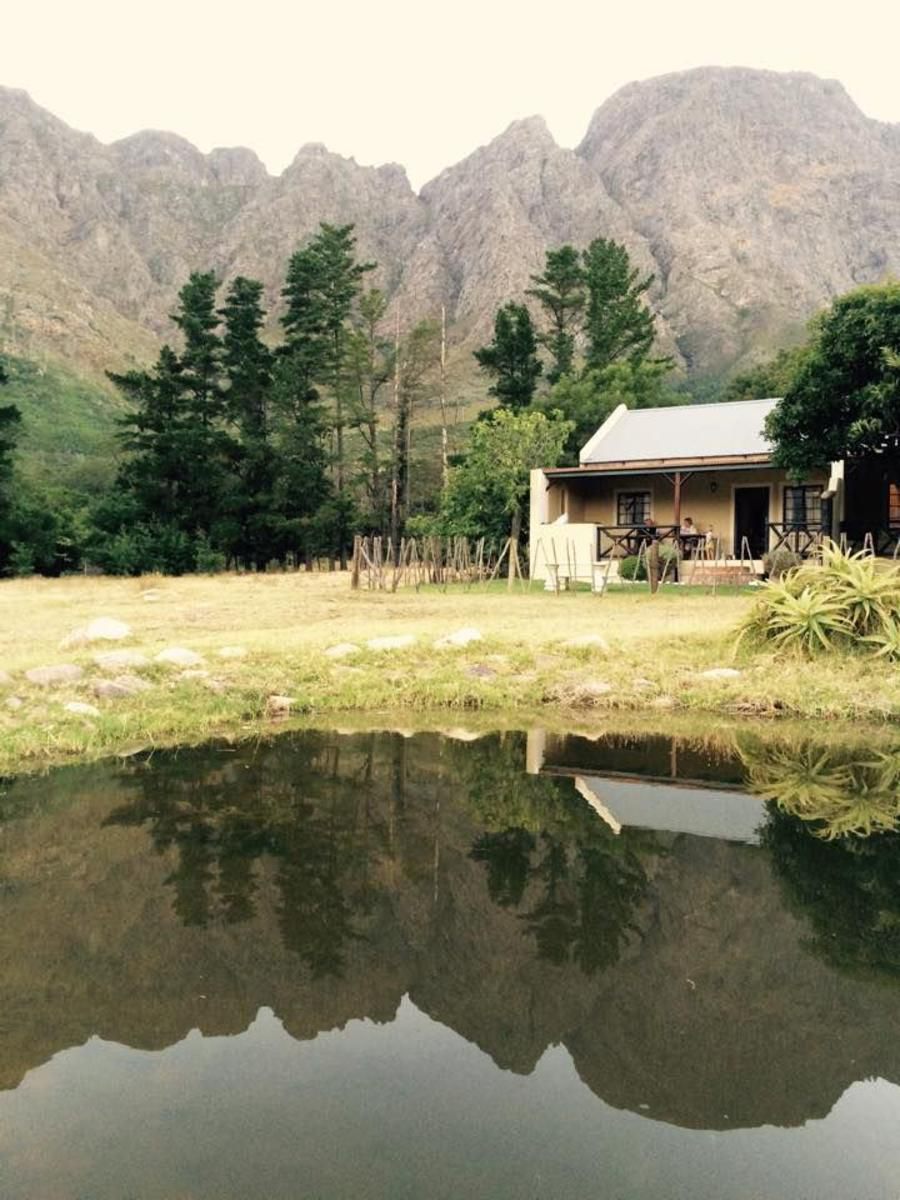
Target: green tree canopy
560,291
586,400
617,323
844,400
487,492
511,358
767,379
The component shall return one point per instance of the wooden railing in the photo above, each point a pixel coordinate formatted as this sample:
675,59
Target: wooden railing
802,539
620,541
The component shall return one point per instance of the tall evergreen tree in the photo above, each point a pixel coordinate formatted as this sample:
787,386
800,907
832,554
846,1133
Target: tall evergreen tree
248,368
511,358
560,291
246,359
324,280
617,323
10,419
202,353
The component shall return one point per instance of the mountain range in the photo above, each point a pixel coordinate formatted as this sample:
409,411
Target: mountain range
753,198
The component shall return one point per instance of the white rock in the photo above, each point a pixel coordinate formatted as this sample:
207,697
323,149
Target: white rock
233,652
720,673
342,650
103,629
14,702
5,679
177,656
150,597
587,641
115,660
82,710
279,706
461,637
663,702
48,676
194,674
398,642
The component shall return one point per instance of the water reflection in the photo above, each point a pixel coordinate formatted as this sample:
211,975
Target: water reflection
682,940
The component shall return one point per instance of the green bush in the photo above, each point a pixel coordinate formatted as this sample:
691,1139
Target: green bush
633,568
838,602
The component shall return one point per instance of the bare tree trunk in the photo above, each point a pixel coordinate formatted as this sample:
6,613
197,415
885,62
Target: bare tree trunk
395,468
443,397
513,549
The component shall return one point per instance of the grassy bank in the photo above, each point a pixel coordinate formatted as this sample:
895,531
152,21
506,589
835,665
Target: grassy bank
523,670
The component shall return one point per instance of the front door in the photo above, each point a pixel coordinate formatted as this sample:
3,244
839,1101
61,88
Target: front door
751,520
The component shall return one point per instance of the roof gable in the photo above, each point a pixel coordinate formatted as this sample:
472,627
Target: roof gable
733,429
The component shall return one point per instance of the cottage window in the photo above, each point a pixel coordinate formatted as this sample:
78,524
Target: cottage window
803,506
894,506
633,508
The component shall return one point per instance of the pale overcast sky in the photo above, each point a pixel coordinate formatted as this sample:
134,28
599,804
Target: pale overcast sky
414,83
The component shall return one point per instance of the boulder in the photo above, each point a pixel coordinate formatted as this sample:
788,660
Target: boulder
120,687
80,709
115,660
720,673
14,702
342,650
103,629
460,637
399,641
279,706
54,676
178,656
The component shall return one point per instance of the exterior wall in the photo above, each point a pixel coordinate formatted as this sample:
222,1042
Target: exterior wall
568,511
707,497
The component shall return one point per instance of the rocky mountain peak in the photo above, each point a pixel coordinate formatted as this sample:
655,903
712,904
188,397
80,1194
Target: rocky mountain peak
753,197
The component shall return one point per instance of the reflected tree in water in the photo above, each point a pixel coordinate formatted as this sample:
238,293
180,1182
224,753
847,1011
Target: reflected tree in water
546,850
298,810
847,888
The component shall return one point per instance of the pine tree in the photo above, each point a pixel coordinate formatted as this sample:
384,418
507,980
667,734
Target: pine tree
248,366
561,293
246,359
201,357
617,323
10,419
511,358
323,281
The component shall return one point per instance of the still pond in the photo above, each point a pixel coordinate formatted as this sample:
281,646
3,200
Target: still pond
376,966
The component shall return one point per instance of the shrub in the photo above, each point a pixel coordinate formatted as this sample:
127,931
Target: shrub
841,601
633,568
778,562
209,560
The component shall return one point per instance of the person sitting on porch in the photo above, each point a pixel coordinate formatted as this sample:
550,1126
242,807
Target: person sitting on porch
689,534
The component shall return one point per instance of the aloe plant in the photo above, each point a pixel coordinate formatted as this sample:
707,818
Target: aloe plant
841,600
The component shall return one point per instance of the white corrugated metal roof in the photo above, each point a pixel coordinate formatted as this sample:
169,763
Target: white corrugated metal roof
683,432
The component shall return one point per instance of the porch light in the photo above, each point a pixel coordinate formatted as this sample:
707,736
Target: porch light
713,486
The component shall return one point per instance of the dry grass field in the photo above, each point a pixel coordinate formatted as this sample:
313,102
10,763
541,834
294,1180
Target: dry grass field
652,660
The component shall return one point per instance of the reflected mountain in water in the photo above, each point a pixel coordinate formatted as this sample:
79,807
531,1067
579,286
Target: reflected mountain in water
326,877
